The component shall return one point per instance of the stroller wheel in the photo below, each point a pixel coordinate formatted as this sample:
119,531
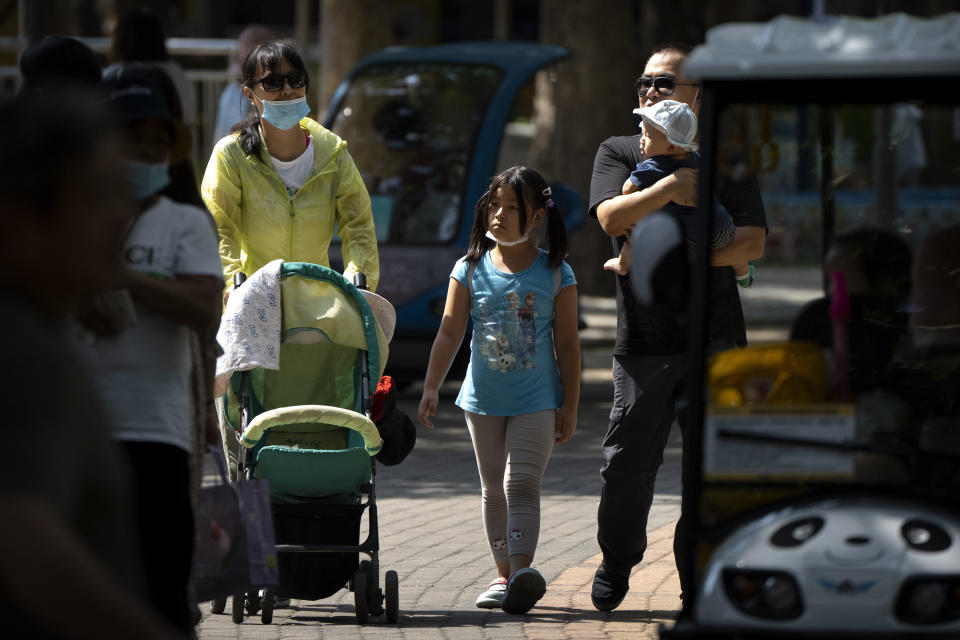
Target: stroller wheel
374,599
269,599
253,603
218,605
392,587
236,607
360,595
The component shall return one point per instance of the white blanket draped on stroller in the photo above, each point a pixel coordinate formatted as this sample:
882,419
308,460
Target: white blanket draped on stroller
249,331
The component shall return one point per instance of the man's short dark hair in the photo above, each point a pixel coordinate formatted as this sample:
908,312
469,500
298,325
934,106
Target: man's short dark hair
683,48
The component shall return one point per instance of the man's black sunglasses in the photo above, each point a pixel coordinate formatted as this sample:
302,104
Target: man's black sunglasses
274,81
663,84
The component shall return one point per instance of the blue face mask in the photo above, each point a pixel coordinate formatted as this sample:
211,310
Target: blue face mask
144,179
285,114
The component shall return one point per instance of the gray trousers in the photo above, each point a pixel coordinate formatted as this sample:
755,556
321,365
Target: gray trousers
512,454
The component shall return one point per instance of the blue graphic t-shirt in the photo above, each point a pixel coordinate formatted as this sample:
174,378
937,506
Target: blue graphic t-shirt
513,369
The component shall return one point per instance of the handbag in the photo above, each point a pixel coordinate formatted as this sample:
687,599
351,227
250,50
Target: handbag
397,431
235,545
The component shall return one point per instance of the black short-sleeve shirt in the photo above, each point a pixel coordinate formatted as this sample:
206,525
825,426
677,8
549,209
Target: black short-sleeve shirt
651,330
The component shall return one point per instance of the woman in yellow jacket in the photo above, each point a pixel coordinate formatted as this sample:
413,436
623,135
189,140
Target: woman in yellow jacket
280,184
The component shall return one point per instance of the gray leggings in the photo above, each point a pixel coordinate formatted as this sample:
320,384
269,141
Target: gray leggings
512,454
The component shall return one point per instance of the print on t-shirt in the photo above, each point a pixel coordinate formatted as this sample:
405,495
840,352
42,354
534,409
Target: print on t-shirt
508,331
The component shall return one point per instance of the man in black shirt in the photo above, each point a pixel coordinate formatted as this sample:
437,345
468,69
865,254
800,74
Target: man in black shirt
650,350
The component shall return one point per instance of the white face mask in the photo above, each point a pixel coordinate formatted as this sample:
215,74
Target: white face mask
510,243
513,243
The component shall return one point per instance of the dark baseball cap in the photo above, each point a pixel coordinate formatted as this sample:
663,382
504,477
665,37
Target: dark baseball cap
141,92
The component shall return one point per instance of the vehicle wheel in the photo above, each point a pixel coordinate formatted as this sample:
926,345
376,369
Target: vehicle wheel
266,611
360,595
236,607
391,584
218,605
253,602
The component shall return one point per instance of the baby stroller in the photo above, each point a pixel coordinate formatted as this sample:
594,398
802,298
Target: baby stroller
306,428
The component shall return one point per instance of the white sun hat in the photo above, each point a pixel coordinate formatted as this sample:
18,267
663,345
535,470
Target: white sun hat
675,119
383,311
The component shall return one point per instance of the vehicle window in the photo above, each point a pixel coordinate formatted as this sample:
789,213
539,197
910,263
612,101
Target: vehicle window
853,319
530,126
411,130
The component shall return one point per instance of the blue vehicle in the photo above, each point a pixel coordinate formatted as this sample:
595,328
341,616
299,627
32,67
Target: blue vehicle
428,127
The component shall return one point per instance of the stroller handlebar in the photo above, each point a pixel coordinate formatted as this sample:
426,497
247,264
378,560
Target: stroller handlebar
313,413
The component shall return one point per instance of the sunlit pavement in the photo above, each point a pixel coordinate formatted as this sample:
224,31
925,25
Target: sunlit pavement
431,533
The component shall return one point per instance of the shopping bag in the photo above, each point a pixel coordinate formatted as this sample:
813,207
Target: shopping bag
258,528
221,565
235,549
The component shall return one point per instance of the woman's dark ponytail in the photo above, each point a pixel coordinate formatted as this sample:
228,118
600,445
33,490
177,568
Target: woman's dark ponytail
249,130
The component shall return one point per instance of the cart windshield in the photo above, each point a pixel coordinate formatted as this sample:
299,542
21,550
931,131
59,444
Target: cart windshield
852,374
411,129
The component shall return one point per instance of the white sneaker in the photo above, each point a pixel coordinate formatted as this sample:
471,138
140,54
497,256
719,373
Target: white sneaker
493,596
278,603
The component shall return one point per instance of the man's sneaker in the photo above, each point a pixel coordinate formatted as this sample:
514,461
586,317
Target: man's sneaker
493,596
609,589
526,586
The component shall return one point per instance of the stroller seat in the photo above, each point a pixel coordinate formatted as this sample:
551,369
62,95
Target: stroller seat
312,451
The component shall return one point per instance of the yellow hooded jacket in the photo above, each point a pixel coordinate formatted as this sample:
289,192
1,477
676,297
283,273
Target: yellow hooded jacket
258,221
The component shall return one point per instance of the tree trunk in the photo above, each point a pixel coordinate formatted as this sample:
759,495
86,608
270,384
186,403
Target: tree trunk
353,29
607,57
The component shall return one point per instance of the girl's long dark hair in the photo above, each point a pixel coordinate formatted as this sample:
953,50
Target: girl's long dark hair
529,187
263,58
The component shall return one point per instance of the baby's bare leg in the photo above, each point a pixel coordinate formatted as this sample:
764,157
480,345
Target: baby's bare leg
620,264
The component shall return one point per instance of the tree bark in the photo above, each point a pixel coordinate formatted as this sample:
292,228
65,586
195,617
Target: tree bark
350,30
593,99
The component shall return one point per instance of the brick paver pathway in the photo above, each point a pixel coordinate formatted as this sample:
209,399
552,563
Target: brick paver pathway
431,534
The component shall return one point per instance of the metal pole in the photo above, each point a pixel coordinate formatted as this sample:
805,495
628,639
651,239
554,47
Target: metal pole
884,168
318,69
819,13
501,20
302,25
21,21
827,187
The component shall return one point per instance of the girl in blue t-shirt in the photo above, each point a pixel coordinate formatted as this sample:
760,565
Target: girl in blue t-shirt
522,386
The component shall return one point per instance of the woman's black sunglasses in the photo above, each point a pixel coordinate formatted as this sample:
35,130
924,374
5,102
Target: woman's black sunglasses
274,81
663,84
